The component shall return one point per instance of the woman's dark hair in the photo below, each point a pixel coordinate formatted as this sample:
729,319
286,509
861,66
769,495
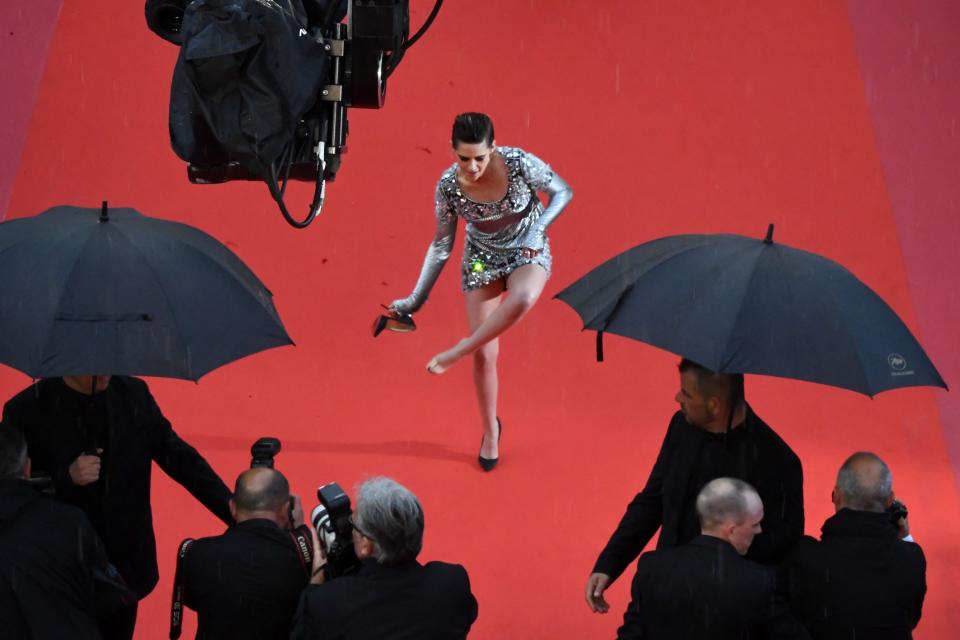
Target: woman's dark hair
472,128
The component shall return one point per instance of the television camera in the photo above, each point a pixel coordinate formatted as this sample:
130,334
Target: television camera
353,60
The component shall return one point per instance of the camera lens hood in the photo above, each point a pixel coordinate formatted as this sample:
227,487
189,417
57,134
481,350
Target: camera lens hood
165,18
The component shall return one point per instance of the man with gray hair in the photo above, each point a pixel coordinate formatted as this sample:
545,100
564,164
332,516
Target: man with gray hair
391,595
865,578
706,588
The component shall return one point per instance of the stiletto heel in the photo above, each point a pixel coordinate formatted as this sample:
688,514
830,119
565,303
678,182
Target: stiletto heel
487,464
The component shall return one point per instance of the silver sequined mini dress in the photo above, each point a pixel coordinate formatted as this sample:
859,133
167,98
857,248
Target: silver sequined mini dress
497,232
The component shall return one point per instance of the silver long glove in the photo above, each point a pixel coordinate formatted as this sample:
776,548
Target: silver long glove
560,195
437,255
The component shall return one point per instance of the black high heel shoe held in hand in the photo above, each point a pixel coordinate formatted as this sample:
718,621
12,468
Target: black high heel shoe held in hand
394,321
487,464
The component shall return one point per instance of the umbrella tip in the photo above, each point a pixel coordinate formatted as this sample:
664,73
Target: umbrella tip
103,212
767,240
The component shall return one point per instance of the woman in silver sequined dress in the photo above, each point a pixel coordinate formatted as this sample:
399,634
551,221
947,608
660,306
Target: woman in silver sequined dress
494,189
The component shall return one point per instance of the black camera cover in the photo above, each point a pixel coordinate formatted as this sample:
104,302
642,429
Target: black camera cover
232,51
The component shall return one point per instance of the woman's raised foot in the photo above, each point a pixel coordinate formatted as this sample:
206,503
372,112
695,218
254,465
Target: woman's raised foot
443,361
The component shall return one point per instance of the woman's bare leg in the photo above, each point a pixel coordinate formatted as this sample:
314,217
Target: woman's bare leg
480,305
524,286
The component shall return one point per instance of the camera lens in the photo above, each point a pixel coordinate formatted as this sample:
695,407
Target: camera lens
320,518
165,18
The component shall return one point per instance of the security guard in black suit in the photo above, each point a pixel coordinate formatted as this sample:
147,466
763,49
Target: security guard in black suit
705,588
97,437
715,434
55,581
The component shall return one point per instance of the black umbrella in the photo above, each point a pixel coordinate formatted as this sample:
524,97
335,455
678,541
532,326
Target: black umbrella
92,291
742,305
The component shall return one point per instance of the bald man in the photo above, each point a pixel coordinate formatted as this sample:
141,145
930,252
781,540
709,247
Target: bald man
863,579
245,584
706,588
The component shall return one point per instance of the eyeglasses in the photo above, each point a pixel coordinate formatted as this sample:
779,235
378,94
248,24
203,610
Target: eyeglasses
359,530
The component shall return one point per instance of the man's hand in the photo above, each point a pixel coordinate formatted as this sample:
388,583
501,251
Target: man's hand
318,575
597,583
85,469
296,511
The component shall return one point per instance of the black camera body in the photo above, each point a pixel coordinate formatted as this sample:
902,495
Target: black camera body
331,519
263,451
897,511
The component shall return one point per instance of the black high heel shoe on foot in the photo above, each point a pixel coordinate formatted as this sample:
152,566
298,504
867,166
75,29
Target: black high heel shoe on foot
487,464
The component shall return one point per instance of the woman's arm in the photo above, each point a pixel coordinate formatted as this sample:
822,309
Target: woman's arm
540,176
437,255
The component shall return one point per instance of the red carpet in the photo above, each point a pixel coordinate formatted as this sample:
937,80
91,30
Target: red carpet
665,118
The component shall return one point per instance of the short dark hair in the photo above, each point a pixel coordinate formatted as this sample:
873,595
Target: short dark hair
712,384
264,495
472,128
865,492
13,452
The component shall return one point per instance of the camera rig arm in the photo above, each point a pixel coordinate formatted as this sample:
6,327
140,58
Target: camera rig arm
364,53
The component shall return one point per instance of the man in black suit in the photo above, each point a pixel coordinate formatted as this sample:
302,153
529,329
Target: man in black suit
245,584
715,434
49,555
704,588
97,437
865,578
391,595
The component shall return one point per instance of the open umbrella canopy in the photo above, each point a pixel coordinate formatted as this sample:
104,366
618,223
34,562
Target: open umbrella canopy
98,291
742,305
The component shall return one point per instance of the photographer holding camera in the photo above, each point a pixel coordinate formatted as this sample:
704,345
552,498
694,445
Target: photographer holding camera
390,595
245,584
865,578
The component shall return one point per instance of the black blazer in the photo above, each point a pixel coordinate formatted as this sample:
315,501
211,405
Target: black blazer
49,415
859,581
48,555
244,584
407,601
704,589
770,466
